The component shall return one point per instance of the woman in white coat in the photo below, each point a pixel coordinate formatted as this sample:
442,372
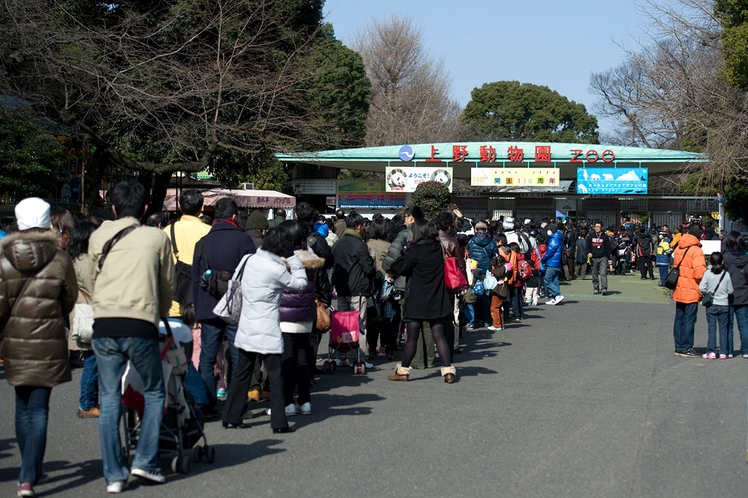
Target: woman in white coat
267,274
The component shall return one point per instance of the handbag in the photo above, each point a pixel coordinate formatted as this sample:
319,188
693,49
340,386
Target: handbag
672,278
83,318
229,307
707,298
454,279
322,322
183,274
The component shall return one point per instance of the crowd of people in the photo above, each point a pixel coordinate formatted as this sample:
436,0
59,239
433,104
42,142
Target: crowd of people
391,272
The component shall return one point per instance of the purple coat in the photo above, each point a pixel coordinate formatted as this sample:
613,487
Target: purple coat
299,306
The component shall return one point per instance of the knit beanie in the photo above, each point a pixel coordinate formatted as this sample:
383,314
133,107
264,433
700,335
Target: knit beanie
508,223
33,212
257,221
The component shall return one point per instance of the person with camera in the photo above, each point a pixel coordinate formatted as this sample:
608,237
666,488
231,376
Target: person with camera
216,257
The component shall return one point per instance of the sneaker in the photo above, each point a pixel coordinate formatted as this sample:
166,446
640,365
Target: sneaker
558,300
745,356
92,413
116,487
152,475
291,410
268,412
596,291
381,353
26,489
729,355
368,365
494,328
690,353
605,292
709,356
723,357
306,408
221,393
552,301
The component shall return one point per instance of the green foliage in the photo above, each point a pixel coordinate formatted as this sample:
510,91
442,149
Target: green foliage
512,111
736,206
27,159
733,16
433,198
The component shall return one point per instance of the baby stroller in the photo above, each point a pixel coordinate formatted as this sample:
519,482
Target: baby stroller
623,254
343,348
182,423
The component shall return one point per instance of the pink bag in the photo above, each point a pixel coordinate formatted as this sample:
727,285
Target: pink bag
344,327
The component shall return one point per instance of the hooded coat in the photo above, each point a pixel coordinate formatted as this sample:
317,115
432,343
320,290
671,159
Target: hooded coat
482,249
552,256
733,262
37,290
692,268
298,306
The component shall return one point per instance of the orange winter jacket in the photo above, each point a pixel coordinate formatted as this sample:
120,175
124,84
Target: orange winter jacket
692,269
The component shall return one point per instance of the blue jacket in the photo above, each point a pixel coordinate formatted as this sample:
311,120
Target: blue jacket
553,254
482,249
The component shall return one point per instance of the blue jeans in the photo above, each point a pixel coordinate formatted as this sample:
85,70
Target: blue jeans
212,333
663,274
89,398
685,324
717,315
738,313
32,413
112,354
551,280
469,312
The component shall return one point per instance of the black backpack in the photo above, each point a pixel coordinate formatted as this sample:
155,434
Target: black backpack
183,272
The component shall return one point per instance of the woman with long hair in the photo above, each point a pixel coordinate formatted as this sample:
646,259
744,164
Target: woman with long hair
267,274
427,299
88,406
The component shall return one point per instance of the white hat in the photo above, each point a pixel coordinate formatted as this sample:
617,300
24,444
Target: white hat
508,223
527,221
33,212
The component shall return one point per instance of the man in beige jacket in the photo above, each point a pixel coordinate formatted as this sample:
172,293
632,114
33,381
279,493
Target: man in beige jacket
133,286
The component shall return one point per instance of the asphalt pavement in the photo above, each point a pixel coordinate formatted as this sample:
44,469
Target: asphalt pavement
584,399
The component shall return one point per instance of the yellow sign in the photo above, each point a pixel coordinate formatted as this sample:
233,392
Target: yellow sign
515,177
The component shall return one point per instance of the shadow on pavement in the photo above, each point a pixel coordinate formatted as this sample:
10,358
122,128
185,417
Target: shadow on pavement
63,475
231,455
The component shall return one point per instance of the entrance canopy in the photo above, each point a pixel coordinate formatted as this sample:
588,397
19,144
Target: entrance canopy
462,156
243,198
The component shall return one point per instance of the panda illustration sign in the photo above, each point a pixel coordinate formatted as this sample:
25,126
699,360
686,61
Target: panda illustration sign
407,179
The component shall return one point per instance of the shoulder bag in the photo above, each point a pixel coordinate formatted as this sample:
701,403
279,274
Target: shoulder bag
229,307
707,298
672,278
454,279
183,273
83,318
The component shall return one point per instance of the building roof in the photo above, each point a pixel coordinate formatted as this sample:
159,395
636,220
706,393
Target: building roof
567,157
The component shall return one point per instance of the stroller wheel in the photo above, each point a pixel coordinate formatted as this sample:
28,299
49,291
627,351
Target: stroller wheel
186,465
210,453
175,464
326,368
197,454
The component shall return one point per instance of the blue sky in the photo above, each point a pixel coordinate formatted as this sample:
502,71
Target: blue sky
556,43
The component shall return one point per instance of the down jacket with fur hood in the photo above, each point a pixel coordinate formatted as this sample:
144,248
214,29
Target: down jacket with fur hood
37,290
265,278
298,309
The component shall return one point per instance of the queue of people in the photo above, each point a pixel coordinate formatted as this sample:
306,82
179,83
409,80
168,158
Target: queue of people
390,272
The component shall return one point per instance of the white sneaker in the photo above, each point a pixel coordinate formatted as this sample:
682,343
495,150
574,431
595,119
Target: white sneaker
291,410
116,487
558,300
152,475
551,301
306,409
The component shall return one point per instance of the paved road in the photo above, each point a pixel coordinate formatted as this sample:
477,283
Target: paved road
585,399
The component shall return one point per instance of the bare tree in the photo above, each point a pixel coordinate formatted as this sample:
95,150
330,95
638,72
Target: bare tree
668,92
409,100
